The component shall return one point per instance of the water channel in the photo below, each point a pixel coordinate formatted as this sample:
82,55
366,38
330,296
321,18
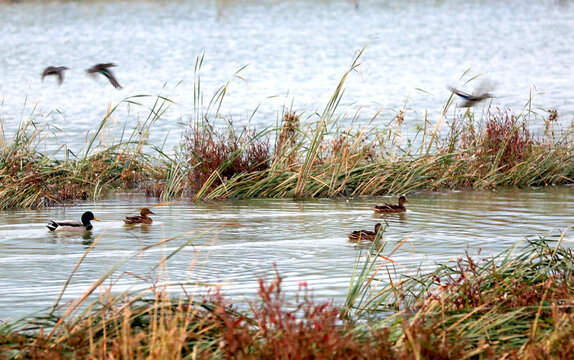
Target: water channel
295,52
236,242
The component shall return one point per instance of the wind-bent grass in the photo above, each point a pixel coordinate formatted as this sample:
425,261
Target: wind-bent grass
313,155
516,305
320,158
30,178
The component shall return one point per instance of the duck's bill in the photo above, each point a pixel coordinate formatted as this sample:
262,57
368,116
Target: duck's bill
97,219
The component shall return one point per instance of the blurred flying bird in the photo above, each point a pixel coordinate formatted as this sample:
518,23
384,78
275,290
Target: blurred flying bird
104,70
470,100
55,70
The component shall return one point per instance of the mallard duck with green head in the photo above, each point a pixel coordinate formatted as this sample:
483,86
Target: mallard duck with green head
143,218
73,225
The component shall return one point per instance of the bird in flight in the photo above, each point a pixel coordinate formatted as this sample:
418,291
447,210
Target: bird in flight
55,70
104,70
469,99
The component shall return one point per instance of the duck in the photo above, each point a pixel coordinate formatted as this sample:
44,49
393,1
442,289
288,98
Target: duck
392,208
55,70
470,100
365,234
104,70
141,219
73,225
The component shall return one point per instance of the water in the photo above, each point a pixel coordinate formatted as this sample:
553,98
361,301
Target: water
295,52
234,243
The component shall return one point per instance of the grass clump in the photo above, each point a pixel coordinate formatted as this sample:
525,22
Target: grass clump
31,178
519,304
516,305
163,327
214,156
326,153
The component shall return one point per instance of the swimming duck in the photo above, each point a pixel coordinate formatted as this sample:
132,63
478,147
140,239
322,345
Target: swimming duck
364,234
104,70
392,208
142,219
55,70
72,225
470,100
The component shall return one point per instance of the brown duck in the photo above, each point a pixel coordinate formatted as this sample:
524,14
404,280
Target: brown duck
141,219
365,234
392,208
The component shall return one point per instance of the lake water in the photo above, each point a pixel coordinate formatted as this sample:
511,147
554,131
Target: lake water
295,53
236,242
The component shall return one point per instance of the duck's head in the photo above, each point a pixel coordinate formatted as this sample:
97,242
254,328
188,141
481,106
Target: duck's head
403,200
377,227
146,211
87,217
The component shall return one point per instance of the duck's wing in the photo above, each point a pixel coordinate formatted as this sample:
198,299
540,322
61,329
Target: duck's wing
362,233
47,71
384,207
70,224
111,78
60,77
462,94
133,219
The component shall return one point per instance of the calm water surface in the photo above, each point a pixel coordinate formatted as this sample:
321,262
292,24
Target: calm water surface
236,242
295,52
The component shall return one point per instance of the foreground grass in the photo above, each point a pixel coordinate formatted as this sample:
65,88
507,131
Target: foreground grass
518,304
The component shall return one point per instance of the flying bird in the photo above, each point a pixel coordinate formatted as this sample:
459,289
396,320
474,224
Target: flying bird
104,70
55,70
470,100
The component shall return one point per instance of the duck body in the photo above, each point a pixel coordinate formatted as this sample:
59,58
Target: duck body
105,71
365,234
143,218
72,225
392,208
56,71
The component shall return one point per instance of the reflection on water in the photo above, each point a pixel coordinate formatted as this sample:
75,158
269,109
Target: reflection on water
234,242
293,49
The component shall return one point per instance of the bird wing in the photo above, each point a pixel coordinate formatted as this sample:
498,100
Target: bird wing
60,77
47,71
111,78
71,223
462,94
133,218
